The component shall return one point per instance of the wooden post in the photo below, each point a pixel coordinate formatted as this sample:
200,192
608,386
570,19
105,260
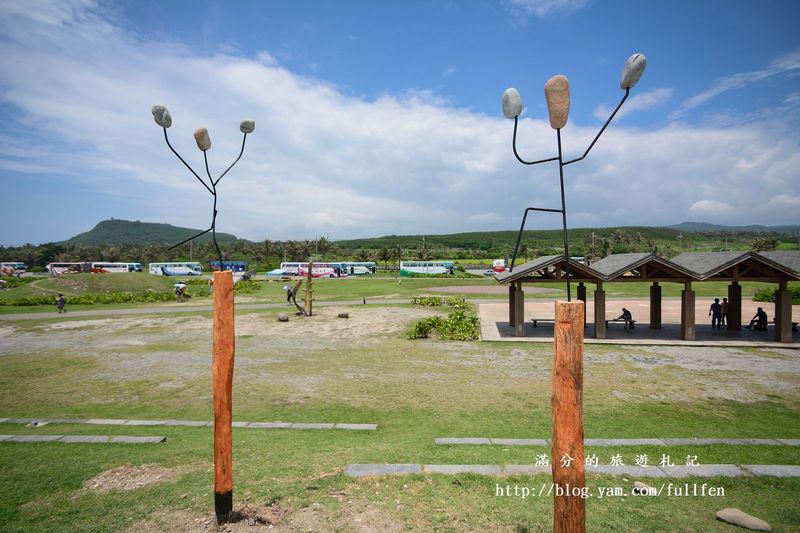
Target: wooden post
222,384
519,311
582,297
309,289
655,306
599,312
512,293
735,306
567,404
783,313
687,313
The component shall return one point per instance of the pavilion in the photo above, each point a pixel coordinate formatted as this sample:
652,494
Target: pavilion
688,268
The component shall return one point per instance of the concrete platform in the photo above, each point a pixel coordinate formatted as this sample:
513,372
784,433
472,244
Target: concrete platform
495,326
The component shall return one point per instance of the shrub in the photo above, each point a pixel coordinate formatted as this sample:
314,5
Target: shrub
462,324
768,295
105,298
246,287
422,328
12,281
457,274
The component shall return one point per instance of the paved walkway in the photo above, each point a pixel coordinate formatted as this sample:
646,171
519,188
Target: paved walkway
717,470
495,327
83,439
181,308
194,423
442,441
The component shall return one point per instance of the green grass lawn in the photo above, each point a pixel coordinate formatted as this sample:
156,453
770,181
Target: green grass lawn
325,369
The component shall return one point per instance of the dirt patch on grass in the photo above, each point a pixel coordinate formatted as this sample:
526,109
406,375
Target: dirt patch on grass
489,289
124,478
355,516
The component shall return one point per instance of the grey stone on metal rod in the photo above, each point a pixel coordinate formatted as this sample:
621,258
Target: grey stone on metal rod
461,440
520,442
512,103
720,470
306,425
161,116
773,470
486,470
247,126
556,94
139,440
202,139
85,439
737,517
34,438
632,71
270,425
358,427
365,470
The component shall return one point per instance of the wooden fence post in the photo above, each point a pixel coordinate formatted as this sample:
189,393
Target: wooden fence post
309,290
222,385
567,404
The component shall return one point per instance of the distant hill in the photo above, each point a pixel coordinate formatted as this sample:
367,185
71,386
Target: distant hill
705,227
134,232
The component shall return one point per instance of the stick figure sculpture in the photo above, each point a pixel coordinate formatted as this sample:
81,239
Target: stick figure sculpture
556,92
223,349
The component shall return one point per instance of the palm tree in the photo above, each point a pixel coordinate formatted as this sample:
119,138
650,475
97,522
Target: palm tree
524,251
363,255
322,246
397,254
384,254
423,252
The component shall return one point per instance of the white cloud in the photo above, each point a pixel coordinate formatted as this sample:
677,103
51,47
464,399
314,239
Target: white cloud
322,162
709,208
638,102
787,63
543,8
784,200
449,70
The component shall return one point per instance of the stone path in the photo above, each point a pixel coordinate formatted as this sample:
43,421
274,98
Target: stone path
193,423
618,442
83,439
717,470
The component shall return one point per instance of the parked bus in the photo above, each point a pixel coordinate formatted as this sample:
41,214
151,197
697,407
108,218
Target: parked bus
14,268
358,268
319,270
109,268
233,266
426,267
55,269
186,268
134,267
499,265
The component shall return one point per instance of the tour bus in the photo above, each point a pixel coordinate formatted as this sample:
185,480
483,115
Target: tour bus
55,269
319,270
426,267
134,267
186,268
109,268
13,268
499,265
358,268
233,266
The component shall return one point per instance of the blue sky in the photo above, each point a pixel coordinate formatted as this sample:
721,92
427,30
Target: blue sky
378,118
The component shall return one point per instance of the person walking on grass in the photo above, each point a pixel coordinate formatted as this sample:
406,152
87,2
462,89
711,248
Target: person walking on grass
716,314
61,304
289,291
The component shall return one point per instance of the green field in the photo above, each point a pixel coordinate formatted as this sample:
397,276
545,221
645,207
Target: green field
363,370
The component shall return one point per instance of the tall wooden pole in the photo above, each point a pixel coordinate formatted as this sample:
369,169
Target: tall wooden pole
222,384
567,404
309,290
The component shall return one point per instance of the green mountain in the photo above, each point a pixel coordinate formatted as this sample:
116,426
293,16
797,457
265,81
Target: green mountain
134,232
705,227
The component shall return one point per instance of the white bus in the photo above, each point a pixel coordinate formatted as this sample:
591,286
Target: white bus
319,270
55,269
13,268
426,267
358,268
134,267
186,268
109,268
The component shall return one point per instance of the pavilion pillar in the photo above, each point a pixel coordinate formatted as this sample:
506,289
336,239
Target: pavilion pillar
511,305
599,312
687,313
582,297
655,306
519,311
783,313
734,306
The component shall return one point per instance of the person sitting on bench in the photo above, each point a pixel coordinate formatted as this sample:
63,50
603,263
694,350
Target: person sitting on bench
627,317
759,321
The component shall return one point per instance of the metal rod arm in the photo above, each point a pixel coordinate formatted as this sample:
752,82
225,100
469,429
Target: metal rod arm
185,163
627,92
189,239
514,146
244,139
522,228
